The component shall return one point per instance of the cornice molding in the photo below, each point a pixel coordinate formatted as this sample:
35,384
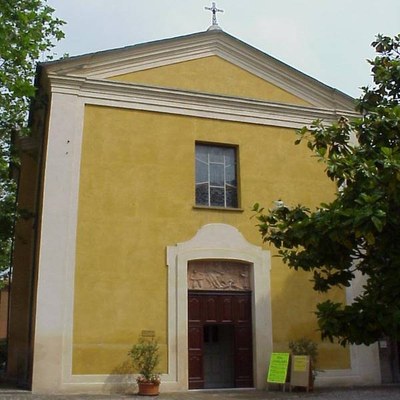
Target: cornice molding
157,99
111,63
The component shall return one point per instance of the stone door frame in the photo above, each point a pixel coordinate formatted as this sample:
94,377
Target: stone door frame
218,242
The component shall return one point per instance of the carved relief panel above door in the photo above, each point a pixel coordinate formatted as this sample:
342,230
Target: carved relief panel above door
218,275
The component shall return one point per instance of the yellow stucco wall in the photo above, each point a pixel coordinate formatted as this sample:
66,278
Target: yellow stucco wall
212,75
137,197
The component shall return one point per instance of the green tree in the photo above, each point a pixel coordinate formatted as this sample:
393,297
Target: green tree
359,231
27,30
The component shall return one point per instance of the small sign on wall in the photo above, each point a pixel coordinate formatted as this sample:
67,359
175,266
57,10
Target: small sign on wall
148,334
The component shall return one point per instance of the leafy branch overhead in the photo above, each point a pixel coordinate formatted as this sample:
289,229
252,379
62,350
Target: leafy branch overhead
27,31
359,231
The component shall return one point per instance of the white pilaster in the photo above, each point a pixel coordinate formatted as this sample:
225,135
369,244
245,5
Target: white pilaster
52,341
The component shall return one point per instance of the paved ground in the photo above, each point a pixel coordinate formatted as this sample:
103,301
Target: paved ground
389,392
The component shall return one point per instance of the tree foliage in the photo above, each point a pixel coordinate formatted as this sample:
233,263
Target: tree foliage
27,30
359,231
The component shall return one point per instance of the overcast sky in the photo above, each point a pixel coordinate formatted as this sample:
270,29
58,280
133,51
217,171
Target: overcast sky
326,39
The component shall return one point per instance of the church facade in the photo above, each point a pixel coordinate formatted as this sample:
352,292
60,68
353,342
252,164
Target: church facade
141,174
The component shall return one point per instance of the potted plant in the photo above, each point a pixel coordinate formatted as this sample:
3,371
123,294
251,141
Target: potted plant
309,348
145,356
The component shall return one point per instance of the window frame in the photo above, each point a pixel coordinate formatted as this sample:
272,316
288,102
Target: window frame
235,148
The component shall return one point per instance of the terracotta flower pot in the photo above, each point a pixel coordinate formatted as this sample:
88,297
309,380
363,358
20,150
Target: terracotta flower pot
149,389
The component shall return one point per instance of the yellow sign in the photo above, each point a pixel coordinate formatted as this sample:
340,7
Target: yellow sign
300,373
300,363
278,367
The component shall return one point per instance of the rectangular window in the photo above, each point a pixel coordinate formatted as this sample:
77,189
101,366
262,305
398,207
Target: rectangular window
216,176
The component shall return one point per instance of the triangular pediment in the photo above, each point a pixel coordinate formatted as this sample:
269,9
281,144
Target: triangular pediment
212,74
207,62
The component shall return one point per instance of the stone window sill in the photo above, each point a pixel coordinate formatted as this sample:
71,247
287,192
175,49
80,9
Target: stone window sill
213,208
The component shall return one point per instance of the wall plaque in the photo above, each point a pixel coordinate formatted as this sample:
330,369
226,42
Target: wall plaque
218,275
146,333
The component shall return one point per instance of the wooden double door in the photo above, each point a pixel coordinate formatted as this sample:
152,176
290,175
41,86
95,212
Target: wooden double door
220,339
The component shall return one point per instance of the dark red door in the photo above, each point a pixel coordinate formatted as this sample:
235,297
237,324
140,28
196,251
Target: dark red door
243,342
216,309
195,343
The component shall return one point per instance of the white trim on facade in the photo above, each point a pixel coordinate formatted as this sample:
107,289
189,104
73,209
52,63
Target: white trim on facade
218,242
365,364
111,63
172,101
365,369
55,287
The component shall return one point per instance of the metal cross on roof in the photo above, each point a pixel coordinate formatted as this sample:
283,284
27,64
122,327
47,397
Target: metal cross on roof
214,11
